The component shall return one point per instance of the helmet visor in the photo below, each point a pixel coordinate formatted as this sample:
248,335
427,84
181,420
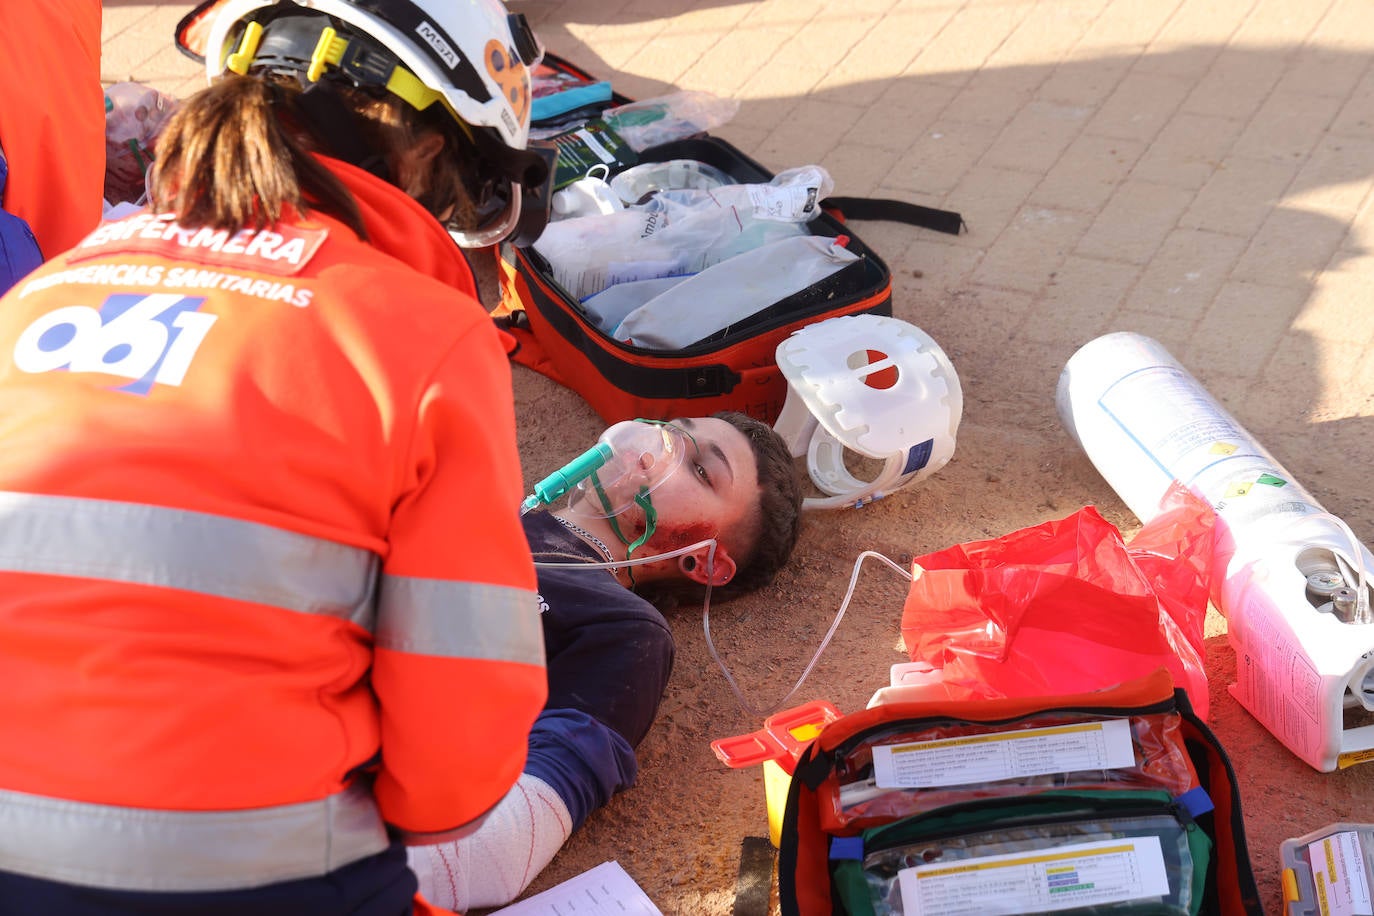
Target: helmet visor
194,28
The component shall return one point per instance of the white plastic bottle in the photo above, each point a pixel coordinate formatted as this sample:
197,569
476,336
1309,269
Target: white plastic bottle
1295,590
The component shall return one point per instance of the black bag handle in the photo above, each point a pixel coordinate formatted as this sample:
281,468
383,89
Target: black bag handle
897,211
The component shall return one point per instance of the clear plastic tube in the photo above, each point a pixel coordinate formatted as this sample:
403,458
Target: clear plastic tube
839,615
710,544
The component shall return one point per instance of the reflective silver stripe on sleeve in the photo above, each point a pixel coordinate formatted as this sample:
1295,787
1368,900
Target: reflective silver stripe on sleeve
459,620
140,849
193,551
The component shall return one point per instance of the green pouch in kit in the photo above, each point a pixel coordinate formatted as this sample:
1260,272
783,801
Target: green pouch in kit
1070,852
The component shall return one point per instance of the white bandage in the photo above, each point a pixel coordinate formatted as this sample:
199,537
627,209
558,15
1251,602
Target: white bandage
492,865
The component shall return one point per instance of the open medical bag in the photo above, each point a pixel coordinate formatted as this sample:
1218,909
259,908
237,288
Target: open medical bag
734,369
1114,801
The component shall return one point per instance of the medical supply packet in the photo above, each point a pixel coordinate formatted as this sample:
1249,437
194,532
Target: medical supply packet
1118,800
1089,852
1329,872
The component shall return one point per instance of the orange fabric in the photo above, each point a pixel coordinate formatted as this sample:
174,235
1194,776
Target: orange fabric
555,339
424,908
348,397
52,119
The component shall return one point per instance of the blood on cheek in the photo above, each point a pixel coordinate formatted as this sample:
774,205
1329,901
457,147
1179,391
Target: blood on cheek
671,537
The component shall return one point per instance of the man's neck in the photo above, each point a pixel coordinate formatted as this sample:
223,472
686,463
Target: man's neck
594,531
601,535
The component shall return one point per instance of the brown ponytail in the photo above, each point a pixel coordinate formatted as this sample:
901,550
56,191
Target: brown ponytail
227,161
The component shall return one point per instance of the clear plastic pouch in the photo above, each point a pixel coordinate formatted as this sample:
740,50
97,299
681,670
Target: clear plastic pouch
665,118
635,184
680,232
1070,744
1075,853
732,291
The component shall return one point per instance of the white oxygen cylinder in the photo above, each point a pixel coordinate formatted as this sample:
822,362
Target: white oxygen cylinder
1294,589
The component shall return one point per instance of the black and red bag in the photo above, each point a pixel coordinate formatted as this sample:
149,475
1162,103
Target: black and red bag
959,824
732,370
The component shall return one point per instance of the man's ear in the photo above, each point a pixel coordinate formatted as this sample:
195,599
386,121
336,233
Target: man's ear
693,566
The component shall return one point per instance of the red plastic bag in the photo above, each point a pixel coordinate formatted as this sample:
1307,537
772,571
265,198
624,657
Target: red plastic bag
1066,606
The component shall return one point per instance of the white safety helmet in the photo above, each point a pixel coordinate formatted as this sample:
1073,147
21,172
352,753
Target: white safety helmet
473,57
877,386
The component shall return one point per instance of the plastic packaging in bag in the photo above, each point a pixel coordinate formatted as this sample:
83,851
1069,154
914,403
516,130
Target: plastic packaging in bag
663,119
587,196
591,148
1066,606
1116,856
792,196
636,183
733,290
1050,751
611,306
679,233
586,254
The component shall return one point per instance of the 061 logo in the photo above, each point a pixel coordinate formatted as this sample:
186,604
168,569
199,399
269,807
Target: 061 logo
148,338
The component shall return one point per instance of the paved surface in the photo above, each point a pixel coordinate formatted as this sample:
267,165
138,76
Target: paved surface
1198,171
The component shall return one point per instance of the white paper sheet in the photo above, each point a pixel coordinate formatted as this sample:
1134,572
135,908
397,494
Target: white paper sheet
606,890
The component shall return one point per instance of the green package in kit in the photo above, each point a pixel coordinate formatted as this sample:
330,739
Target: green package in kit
593,144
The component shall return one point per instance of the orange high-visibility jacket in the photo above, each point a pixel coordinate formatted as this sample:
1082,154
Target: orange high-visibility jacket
52,118
258,526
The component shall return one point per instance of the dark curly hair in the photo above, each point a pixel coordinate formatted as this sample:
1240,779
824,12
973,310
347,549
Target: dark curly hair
771,533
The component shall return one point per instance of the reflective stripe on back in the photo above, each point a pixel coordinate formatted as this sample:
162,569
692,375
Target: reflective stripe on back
140,849
192,551
459,620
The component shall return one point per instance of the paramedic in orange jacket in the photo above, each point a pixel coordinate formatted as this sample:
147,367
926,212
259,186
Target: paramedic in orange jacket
52,118
266,608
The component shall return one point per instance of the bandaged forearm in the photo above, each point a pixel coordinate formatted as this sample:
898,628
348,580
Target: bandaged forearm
492,865
574,765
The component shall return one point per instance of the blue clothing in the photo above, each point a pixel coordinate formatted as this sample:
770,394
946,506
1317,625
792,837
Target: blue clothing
381,885
581,759
19,252
608,653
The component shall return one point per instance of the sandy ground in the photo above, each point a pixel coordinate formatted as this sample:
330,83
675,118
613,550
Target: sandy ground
1195,170
679,832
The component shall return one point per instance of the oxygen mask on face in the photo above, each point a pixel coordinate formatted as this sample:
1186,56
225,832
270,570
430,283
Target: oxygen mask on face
640,456
629,461
614,478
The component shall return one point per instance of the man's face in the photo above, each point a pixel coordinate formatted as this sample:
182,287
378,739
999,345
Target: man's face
711,494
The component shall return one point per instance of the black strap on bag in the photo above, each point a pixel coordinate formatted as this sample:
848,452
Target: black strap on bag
897,211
